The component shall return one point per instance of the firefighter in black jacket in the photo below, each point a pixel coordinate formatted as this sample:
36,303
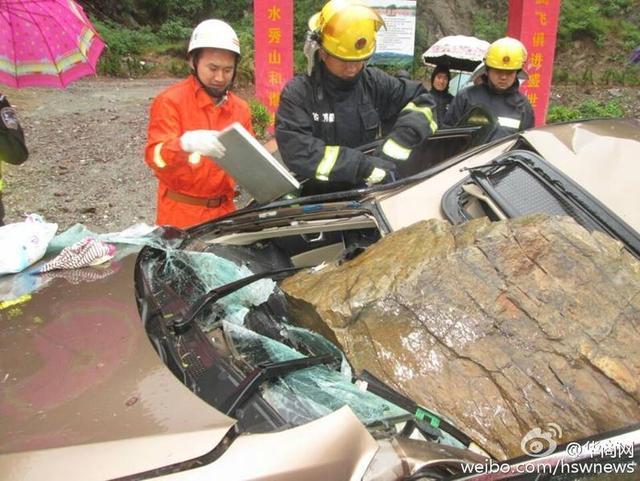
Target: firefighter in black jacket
12,147
440,79
498,93
341,104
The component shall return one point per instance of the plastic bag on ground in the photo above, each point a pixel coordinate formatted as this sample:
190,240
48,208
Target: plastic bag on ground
23,243
137,234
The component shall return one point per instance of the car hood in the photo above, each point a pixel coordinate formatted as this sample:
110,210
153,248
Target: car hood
79,379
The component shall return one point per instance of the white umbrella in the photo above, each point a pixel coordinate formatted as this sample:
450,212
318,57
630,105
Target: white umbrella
458,52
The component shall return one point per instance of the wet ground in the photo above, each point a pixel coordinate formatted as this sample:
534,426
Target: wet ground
86,154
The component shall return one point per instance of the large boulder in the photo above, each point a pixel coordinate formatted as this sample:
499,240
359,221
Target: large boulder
501,327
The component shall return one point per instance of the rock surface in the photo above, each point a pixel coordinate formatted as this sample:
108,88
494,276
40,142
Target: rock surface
501,327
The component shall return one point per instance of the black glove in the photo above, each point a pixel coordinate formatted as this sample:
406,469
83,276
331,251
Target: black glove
413,127
382,163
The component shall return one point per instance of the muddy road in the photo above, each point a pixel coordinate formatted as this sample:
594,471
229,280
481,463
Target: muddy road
86,151
86,154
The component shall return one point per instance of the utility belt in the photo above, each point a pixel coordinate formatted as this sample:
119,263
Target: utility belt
209,202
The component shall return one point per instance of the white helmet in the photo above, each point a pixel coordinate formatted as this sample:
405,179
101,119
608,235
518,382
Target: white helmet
214,34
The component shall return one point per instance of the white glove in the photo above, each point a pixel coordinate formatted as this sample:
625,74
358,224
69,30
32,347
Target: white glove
204,142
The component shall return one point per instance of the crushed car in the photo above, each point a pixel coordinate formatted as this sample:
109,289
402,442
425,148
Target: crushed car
180,359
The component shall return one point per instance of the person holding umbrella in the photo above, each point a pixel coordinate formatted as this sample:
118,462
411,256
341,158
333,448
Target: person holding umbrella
341,104
499,93
184,123
440,79
12,147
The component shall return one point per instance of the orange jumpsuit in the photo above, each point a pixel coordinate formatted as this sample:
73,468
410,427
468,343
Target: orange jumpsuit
182,107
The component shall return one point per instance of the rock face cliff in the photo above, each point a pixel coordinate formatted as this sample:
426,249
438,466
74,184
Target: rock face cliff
501,327
439,18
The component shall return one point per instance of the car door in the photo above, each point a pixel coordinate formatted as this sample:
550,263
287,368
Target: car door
445,143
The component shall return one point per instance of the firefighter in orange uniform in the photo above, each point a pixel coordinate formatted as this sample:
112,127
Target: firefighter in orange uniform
184,124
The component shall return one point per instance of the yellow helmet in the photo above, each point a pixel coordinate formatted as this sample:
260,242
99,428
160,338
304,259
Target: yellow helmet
347,29
506,54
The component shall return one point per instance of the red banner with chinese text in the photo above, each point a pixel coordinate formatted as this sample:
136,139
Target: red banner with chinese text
273,29
535,23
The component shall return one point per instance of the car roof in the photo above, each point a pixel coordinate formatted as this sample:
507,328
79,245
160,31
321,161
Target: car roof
602,156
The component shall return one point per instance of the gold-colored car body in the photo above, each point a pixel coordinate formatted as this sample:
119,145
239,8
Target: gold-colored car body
84,396
603,156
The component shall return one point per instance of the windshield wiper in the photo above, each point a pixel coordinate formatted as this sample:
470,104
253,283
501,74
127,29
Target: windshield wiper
182,322
267,372
424,419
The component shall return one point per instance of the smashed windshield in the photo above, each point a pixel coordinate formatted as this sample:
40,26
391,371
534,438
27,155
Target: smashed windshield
311,393
257,332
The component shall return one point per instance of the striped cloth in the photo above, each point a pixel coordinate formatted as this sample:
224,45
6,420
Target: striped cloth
86,252
82,275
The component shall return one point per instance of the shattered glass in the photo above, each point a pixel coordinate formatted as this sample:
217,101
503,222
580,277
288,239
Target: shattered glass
214,271
310,393
298,397
318,343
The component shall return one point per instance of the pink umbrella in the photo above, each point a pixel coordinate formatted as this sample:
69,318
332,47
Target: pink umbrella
46,43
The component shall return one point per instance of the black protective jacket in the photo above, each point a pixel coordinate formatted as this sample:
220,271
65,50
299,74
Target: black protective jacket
12,147
511,109
321,120
443,99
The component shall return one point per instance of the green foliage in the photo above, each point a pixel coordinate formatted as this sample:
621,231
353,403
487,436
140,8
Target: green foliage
618,8
561,75
589,109
302,11
260,117
582,19
175,30
125,41
488,26
421,44
614,23
628,75
603,21
299,61
124,48
630,32
244,30
178,68
613,77
190,12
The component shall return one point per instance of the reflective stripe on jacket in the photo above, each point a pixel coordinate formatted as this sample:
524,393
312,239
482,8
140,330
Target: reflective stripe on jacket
182,107
511,109
321,120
